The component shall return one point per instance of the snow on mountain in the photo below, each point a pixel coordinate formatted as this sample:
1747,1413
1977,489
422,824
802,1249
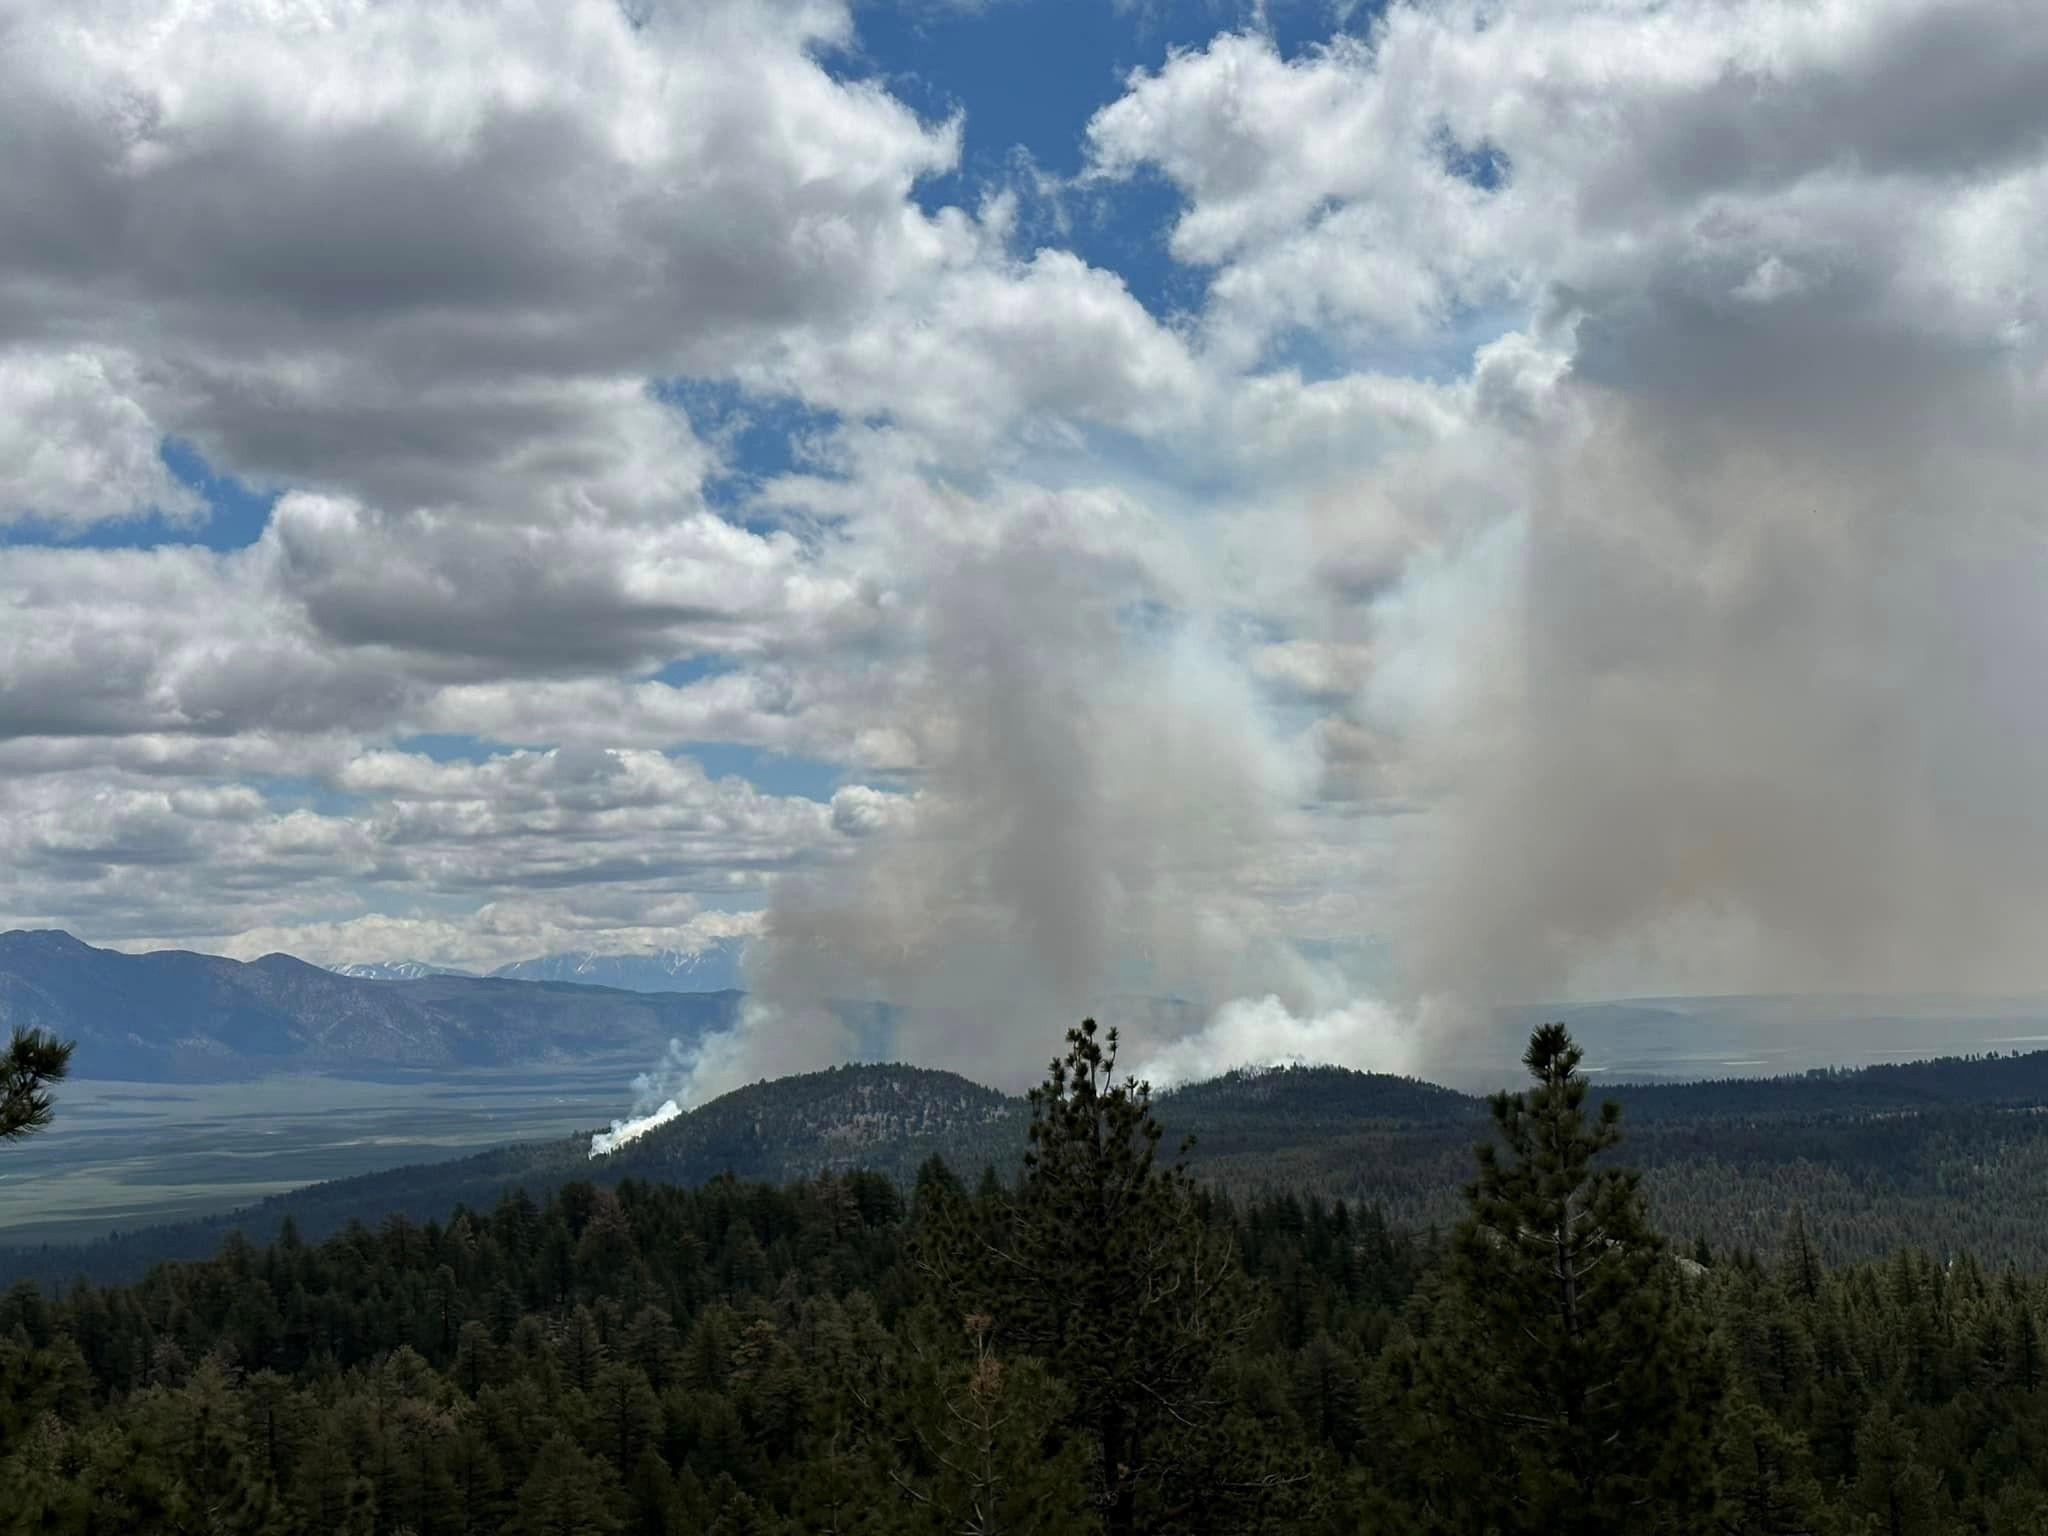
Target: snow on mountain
714,968
395,970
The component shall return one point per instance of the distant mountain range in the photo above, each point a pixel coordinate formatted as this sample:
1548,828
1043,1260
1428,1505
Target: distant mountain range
714,968
174,1016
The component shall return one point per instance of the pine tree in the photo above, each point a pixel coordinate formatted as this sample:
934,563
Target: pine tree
1799,1262
1897,1494
1099,1265
1324,1389
1767,1478
1565,1384
582,1349
624,1413
33,1060
960,1436
567,1494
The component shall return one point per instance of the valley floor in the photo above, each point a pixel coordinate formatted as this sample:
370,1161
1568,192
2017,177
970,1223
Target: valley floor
122,1155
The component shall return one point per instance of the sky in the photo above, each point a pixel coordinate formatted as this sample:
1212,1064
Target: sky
1285,523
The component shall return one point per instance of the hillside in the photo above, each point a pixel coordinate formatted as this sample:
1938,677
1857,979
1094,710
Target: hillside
1239,1108
1943,1152
886,1118
173,1016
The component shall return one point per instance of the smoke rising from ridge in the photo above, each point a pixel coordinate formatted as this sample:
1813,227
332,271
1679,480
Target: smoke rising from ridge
1741,694
624,1131
1100,805
1689,639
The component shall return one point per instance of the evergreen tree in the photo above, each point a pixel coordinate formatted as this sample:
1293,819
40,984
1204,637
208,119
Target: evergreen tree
1564,1385
1768,1484
33,1060
566,1494
1324,1390
756,1359
1099,1265
963,1439
1897,1494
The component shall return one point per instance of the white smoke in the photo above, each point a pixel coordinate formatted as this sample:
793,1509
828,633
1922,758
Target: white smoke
656,1098
623,1131
1262,1032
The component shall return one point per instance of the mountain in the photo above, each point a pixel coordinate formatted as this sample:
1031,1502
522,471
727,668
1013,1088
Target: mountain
885,1117
395,970
1944,1151
714,968
174,1016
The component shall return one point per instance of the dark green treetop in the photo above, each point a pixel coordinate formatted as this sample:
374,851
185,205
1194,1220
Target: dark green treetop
1099,1264
1564,1379
33,1060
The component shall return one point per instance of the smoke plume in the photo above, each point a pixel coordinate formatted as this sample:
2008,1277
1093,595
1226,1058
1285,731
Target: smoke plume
623,1131
1095,831
1740,693
1768,713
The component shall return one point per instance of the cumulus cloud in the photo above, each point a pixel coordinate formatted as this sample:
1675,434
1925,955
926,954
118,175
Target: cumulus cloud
1580,525
497,933
77,446
643,851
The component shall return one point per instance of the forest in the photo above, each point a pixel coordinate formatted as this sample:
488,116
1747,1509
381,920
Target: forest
1948,1154
1093,1340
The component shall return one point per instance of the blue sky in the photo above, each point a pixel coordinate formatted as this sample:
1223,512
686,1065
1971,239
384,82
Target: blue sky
1028,79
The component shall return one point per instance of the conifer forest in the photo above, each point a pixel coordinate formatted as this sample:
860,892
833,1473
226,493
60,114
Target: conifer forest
1099,1343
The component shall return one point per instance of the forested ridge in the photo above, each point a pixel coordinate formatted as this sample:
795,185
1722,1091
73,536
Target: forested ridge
1950,1154
1095,1342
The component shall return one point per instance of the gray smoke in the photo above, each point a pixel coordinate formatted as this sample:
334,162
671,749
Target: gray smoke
1769,711
1100,794
1742,694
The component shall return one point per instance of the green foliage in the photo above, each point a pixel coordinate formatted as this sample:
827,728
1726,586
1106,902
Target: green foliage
1563,1376
568,1493
33,1060
971,1442
1099,1264
839,1356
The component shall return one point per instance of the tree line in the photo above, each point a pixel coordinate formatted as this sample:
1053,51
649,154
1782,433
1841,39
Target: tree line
1095,1343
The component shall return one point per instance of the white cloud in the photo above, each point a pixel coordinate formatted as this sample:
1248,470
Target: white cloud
1655,374
77,446
497,933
